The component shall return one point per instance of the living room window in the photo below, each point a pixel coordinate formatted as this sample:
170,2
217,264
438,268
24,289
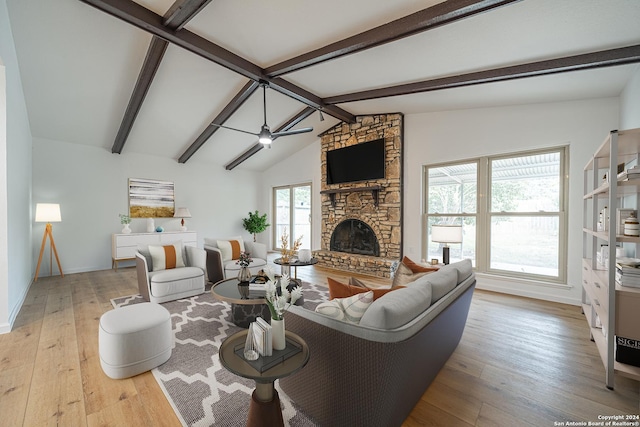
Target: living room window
292,210
511,209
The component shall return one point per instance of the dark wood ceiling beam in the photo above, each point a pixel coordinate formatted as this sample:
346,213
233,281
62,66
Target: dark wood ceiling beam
258,146
222,117
588,61
426,19
182,11
152,60
151,22
179,14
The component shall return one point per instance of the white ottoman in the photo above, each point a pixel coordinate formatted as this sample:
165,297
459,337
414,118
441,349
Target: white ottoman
134,339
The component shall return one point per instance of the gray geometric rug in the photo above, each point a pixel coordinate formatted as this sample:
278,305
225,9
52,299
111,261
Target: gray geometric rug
200,390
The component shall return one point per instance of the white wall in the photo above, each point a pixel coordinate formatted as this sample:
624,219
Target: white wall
630,103
91,186
301,167
15,185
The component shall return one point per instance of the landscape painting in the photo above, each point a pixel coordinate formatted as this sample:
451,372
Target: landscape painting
149,198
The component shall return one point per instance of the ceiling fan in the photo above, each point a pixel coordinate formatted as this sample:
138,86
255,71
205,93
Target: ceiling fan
265,136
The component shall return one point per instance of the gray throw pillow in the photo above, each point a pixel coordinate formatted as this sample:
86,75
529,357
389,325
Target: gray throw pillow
397,308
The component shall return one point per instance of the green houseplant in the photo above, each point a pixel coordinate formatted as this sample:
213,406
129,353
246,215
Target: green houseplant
255,224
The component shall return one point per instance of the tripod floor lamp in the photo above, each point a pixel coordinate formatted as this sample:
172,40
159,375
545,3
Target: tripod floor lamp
48,212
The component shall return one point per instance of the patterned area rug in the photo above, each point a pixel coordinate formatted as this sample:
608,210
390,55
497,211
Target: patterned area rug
201,391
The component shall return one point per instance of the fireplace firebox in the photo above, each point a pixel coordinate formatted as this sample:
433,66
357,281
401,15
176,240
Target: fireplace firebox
355,237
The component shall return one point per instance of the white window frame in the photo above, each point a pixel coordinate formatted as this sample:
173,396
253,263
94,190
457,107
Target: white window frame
275,236
484,216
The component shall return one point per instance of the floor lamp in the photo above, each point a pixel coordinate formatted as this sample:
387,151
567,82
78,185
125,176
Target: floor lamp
48,212
446,234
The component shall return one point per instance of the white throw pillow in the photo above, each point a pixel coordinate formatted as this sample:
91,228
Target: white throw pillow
350,309
166,257
227,250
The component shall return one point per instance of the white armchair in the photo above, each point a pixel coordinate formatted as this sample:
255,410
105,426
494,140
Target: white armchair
220,262
162,285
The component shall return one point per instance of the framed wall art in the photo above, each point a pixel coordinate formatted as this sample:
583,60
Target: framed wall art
150,198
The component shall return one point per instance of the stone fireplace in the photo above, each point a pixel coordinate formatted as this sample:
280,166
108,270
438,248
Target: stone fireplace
362,221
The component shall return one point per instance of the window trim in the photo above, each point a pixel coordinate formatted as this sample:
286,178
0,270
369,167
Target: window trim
484,216
275,238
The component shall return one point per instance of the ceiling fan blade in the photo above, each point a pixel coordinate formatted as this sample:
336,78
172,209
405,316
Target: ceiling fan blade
291,132
237,130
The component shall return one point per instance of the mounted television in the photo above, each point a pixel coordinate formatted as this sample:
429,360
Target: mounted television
358,162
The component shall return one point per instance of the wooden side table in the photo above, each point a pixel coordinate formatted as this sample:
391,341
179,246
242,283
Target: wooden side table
265,403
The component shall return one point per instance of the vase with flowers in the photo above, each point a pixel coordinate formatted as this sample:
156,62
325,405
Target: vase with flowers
125,220
279,299
244,276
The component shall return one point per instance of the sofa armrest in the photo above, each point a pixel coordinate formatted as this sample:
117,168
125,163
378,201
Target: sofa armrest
214,268
142,271
256,250
196,257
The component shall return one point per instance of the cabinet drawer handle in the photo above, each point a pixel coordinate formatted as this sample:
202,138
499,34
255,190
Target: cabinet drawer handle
597,302
584,281
585,268
597,285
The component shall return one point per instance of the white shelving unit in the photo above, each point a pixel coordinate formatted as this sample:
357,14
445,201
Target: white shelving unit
611,310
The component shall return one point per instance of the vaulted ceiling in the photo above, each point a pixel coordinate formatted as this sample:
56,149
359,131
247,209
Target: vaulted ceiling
151,76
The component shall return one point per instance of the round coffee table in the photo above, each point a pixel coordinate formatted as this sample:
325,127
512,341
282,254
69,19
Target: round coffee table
285,267
265,403
244,308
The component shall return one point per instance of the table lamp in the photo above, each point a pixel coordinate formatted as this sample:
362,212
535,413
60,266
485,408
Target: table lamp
48,212
446,234
182,213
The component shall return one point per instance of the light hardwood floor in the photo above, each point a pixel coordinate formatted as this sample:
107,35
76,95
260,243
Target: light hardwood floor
521,362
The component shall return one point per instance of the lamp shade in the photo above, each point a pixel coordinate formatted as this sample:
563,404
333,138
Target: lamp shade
446,233
48,212
182,213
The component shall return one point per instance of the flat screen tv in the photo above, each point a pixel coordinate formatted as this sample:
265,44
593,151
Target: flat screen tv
358,162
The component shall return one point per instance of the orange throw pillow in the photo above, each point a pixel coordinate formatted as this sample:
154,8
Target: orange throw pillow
344,290
417,268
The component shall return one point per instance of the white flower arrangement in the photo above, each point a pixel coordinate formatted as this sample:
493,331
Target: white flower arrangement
279,304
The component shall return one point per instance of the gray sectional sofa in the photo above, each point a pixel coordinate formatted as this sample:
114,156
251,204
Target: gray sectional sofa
374,373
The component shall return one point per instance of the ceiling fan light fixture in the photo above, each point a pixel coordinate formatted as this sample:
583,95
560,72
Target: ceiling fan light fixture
265,136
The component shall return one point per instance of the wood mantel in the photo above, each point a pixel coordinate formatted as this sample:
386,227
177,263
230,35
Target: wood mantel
375,190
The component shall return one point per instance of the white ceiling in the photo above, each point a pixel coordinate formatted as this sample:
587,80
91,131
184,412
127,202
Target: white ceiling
79,66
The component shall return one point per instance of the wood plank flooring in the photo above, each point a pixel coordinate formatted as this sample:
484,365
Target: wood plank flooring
521,362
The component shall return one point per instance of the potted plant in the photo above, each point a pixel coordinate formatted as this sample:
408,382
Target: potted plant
255,224
125,220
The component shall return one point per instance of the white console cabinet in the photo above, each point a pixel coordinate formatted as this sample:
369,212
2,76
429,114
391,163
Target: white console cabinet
123,246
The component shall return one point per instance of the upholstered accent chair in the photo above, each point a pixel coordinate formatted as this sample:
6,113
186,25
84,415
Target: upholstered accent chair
166,274
223,253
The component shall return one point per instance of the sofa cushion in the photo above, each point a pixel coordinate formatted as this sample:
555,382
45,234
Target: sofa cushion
404,275
348,309
166,257
344,290
230,249
399,307
441,283
463,268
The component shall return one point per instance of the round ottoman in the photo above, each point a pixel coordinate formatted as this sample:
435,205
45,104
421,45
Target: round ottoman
134,339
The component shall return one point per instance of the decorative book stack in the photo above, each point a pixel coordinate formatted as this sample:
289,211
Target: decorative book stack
628,274
262,336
